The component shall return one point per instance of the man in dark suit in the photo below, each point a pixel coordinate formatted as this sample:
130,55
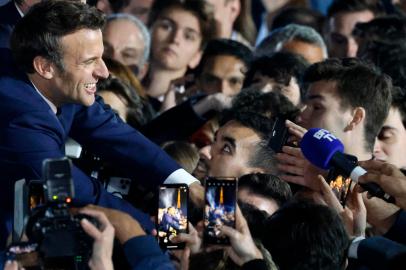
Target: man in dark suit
55,98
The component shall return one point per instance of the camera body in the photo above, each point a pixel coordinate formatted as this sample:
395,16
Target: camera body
62,242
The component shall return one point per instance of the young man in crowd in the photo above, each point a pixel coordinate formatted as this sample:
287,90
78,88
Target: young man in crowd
179,32
342,16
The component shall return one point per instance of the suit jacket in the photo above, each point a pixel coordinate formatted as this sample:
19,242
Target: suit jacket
31,132
9,16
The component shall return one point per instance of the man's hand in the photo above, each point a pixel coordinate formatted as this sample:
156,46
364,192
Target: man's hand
125,226
193,245
295,168
214,102
103,240
388,177
196,194
243,248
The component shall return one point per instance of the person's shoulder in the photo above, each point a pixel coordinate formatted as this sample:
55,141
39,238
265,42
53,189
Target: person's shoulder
9,14
18,95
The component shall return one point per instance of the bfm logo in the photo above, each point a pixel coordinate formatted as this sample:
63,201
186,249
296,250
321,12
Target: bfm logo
324,134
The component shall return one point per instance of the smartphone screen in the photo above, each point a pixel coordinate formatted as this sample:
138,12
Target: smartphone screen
172,214
36,194
279,135
340,184
220,197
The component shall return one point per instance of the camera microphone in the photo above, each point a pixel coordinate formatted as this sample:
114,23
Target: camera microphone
324,150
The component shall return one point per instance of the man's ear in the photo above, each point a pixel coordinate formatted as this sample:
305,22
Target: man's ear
195,60
358,116
44,67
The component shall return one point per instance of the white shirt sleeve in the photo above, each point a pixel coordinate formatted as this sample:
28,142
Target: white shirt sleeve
353,250
180,176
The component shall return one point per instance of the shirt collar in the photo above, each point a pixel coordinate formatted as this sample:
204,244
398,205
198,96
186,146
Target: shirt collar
51,105
19,10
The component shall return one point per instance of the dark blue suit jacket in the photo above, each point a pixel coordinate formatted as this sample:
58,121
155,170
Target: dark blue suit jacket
30,132
9,16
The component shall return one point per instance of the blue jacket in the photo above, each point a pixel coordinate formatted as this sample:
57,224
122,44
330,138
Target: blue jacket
9,16
30,132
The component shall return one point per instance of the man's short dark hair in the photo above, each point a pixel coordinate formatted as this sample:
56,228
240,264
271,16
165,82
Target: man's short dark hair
271,104
221,47
305,236
383,43
339,6
266,185
280,66
40,31
200,8
358,85
262,155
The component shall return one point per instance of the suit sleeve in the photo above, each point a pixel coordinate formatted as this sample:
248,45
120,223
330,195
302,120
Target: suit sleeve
35,136
105,134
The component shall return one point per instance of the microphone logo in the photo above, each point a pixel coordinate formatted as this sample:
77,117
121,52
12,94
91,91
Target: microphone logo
323,134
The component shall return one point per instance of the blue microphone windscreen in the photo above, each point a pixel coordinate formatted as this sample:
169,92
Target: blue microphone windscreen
319,145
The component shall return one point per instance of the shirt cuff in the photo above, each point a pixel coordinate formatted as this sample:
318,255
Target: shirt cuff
353,250
180,176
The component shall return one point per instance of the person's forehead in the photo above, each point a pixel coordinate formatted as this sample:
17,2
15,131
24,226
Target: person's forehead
181,17
224,64
394,119
323,89
122,26
241,134
344,22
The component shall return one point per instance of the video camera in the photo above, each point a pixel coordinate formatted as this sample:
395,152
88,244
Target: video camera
60,240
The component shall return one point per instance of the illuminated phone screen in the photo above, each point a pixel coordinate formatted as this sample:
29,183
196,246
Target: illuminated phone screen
219,209
172,214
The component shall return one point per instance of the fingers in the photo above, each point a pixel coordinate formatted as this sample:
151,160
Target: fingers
290,169
100,216
295,129
328,195
90,229
241,223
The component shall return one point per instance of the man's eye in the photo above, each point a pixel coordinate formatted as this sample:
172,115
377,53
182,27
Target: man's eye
166,25
226,149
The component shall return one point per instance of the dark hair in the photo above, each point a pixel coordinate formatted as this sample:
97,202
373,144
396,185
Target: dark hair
255,219
200,8
39,32
262,155
358,85
271,104
266,185
301,16
280,66
220,47
339,6
128,96
383,42
399,102
302,235
184,153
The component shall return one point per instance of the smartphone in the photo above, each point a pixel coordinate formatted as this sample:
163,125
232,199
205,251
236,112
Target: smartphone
23,252
279,135
36,194
172,218
220,207
340,182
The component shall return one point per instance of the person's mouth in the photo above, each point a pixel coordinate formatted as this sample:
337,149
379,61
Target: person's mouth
90,88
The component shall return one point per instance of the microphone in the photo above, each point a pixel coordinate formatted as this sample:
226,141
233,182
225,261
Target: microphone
324,151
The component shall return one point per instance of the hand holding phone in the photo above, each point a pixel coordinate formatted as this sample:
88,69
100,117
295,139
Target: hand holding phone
220,195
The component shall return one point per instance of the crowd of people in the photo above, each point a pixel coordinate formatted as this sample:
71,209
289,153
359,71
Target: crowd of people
154,92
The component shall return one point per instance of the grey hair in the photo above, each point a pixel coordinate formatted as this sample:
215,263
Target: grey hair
144,30
278,37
